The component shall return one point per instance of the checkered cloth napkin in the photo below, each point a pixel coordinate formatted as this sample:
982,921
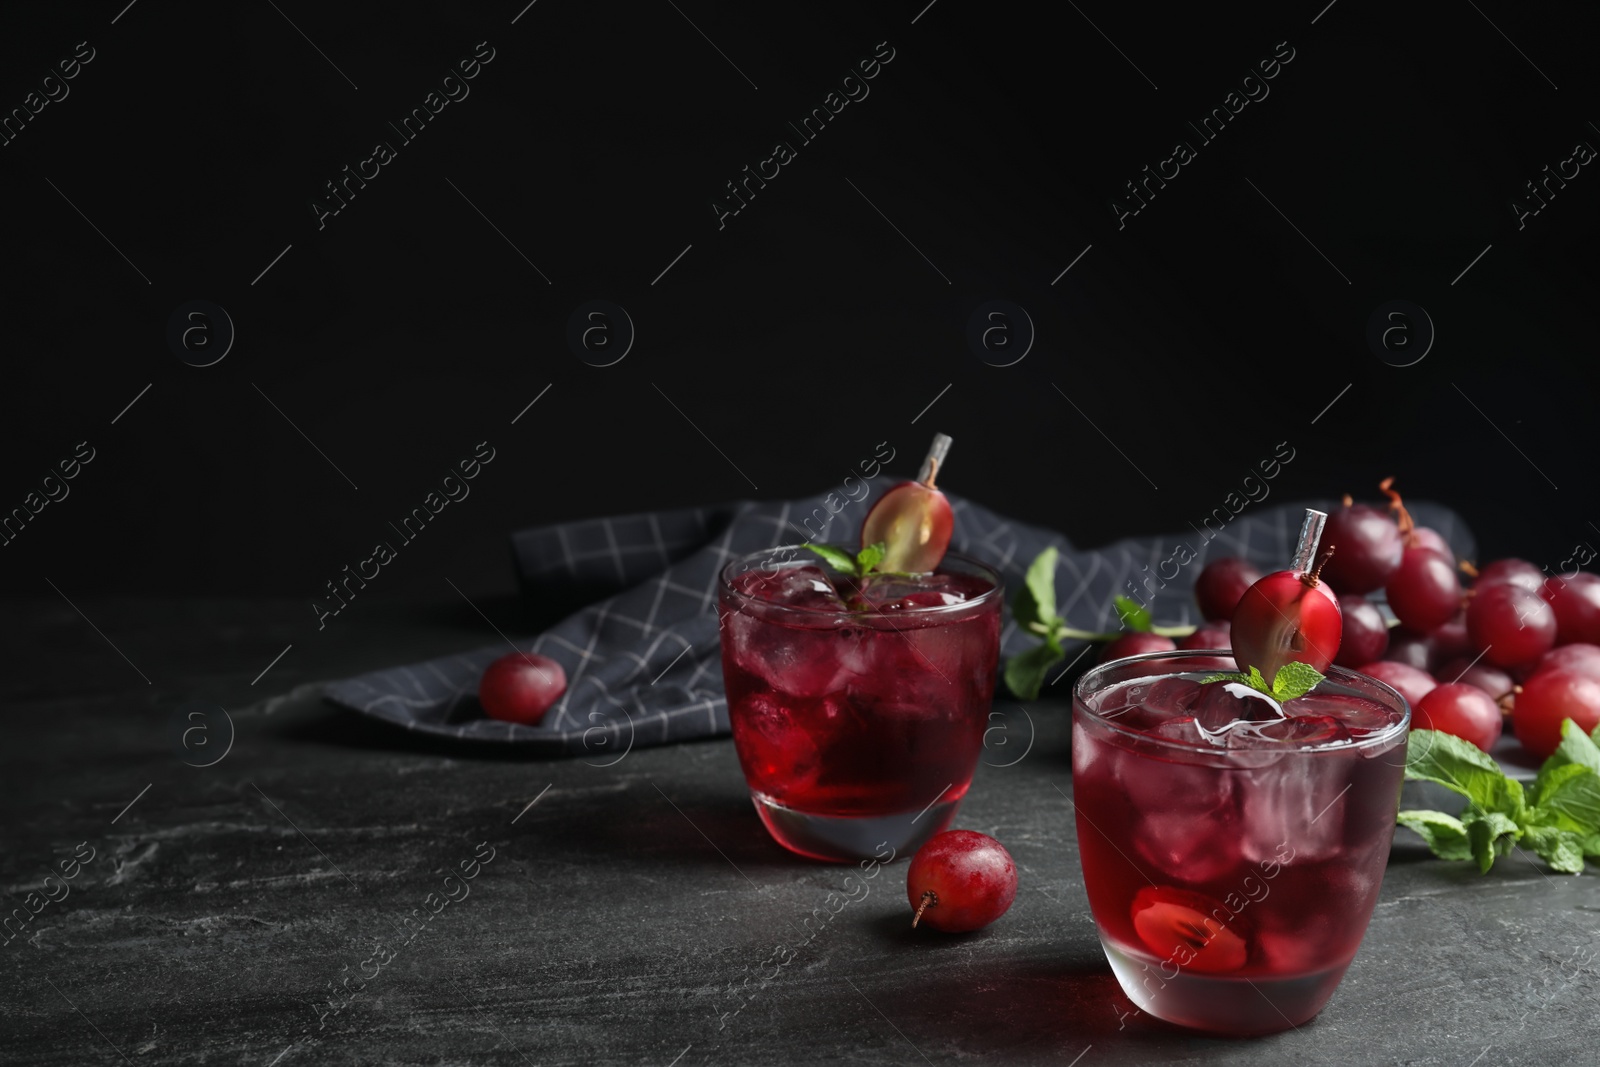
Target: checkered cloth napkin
642,660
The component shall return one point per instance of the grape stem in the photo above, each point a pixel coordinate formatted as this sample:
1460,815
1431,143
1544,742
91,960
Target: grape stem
929,898
1091,635
1396,505
1315,576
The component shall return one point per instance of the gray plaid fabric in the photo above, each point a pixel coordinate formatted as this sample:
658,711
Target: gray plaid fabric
642,660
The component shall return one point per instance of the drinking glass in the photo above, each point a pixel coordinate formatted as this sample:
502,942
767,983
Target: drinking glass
857,726
1231,882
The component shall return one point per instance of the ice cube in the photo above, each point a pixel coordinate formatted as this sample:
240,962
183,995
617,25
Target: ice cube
801,661
1300,950
778,751
1184,806
1182,729
1304,730
1185,846
1147,705
1297,941
1359,715
896,592
1222,704
795,587
1297,801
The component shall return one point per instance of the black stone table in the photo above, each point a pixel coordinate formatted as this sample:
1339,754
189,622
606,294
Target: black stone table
634,914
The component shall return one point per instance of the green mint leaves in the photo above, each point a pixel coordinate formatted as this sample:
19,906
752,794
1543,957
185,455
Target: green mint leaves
1036,600
1035,609
1134,616
1557,817
1295,680
868,558
1443,833
858,566
1292,680
1253,679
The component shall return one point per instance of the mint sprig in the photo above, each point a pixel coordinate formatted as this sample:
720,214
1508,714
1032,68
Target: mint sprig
1558,819
860,565
1293,680
1035,611
1035,608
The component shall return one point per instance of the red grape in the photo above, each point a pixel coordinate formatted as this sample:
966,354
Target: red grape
1511,624
1414,650
1463,710
1365,634
1368,548
1517,572
914,521
1492,680
521,687
1221,584
1136,644
1211,635
1548,698
1423,591
1576,600
1286,616
960,880
1404,679
1430,539
1168,919
1450,641
1220,704
1584,659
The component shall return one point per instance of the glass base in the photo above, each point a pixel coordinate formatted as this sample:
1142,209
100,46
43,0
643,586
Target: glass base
845,839
1219,1004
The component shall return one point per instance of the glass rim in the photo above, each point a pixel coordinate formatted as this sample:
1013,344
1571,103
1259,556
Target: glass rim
1084,684
996,591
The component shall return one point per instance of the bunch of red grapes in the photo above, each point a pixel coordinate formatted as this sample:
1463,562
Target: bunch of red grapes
1512,643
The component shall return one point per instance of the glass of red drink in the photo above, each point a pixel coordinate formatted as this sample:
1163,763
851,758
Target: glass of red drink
1232,856
858,705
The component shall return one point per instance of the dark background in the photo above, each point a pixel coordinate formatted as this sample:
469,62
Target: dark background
808,330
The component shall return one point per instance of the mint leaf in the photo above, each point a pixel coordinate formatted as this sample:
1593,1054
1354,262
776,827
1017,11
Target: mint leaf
1462,767
1036,600
1561,824
1576,747
1490,836
1133,615
1253,679
1561,849
1292,680
1567,798
1444,834
837,558
1552,780
869,557
1295,679
1025,672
